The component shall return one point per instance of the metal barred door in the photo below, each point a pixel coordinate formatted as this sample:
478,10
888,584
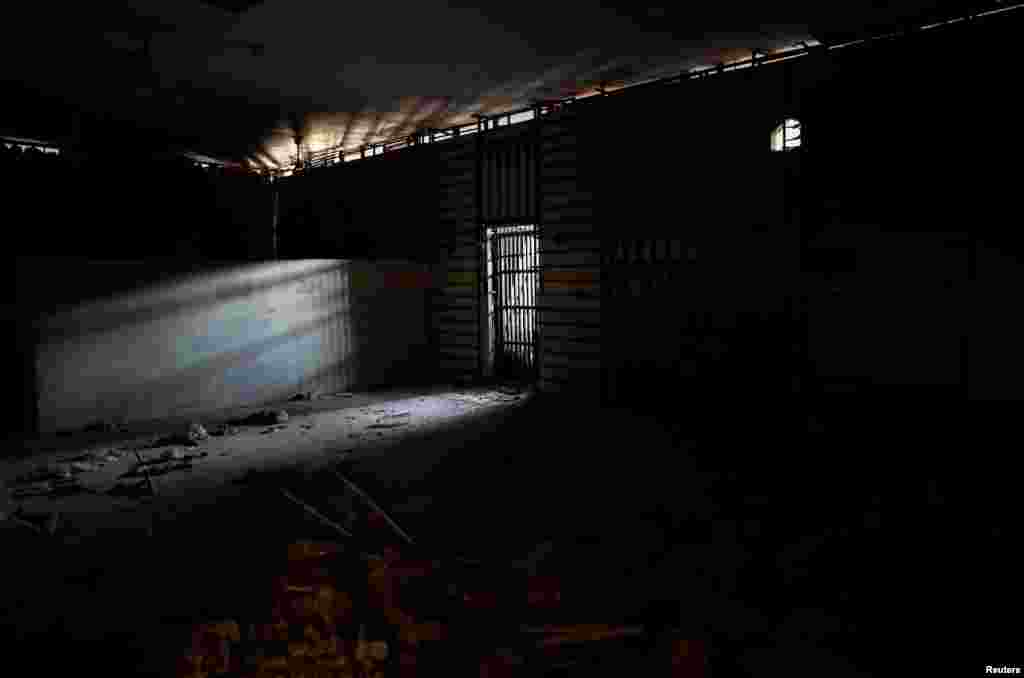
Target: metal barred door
509,205
514,281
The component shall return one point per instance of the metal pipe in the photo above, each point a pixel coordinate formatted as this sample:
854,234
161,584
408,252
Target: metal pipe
375,506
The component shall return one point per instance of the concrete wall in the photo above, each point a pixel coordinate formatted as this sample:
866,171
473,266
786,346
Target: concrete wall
383,207
136,344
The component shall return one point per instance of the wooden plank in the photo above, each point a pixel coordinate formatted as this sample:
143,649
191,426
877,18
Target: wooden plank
569,324
556,201
571,352
457,204
458,292
457,319
459,333
562,174
461,278
586,259
573,365
458,340
457,352
555,278
571,331
555,147
549,130
458,366
586,317
560,159
581,220
458,173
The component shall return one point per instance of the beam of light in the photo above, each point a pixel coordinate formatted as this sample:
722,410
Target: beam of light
239,335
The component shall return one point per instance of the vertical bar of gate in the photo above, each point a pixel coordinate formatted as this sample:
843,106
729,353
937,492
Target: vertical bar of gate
513,299
496,283
532,302
481,243
519,297
499,194
534,276
517,173
505,182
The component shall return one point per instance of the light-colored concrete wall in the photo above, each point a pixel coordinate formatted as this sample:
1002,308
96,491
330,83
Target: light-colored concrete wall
229,336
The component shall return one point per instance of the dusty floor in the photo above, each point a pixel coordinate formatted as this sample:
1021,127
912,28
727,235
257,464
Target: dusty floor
808,553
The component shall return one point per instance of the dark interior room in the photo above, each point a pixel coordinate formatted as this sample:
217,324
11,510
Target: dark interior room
335,329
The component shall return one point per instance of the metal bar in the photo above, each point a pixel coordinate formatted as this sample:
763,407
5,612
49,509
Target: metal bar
375,506
534,290
481,236
521,174
514,284
499,320
509,183
520,320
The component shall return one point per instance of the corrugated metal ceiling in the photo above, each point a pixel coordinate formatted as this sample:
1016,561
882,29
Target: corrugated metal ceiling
243,80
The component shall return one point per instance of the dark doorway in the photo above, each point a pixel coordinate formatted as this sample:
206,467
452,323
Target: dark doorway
513,283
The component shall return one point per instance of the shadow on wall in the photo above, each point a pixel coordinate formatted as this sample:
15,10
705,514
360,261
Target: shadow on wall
222,337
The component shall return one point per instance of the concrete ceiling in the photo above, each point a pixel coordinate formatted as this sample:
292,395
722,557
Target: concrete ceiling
237,79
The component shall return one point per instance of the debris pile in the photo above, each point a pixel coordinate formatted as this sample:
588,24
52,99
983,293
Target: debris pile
50,480
484,398
170,460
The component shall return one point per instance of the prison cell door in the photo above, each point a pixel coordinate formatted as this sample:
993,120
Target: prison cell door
509,205
513,270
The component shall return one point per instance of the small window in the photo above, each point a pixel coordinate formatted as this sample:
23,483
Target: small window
786,136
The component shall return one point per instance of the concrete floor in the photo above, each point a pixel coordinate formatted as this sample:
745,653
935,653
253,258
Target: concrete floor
779,549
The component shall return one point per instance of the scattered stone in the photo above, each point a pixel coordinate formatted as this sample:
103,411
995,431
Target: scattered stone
395,424
173,454
130,489
197,432
171,460
263,418
305,395
176,439
84,467
225,430
102,426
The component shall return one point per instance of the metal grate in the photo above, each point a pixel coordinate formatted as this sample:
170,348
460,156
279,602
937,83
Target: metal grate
513,272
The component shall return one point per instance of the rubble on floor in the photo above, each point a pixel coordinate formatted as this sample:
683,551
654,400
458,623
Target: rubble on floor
50,480
39,523
171,460
388,424
103,426
262,418
486,398
137,489
224,430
